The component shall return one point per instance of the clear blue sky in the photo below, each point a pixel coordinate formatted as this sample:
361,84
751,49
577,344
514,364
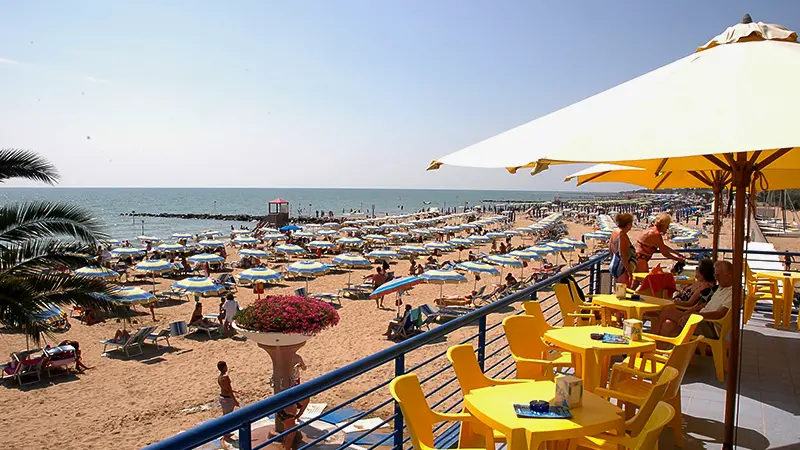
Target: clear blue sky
320,93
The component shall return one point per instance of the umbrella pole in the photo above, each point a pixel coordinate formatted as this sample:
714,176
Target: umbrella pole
717,221
741,172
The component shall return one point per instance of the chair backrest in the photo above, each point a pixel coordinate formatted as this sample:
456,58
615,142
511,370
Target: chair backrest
468,371
565,303
637,423
648,438
301,292
534,309
480,291
688,328
178,328
416,412
679,359
525,341
427,310
142,334
415,316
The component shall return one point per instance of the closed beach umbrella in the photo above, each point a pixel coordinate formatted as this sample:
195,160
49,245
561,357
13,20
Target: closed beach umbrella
96,272
350,241
307,269
171,248
442,277
290,249
150,239
304,234
206,257
479,239
413,250
351,261
383,254
321,244
199,286
128,251
274,237
396,285
399,235
245,240
261,274
327,233
213,243
441,246
253,252
182,235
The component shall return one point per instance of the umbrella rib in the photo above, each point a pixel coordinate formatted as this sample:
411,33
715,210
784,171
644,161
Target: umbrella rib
771,158
661,165
720,163
592,177
663,179
701,176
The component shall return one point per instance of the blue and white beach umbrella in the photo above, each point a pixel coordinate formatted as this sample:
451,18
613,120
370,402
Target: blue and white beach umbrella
469,226
349,230
245,240
350,241
441,246
253,252
290,249
96,272
525,255
396,285
684,239
478,267
199,285
206,257
596,236
182,235
321,244
308,269
150,239
261,274
512,233
331,225
413,250
210,233
383,254
494,235
388,226
560,246
541,249
327,233
399,235
376,238
420,232
304,234
274,237
451,228
131,296
504,260
461,242
370,228
171,248
128,251
477,238
576,243
213,243
351,260
437,230
406,225
155,266
442,277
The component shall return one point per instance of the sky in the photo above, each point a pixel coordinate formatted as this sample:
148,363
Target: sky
321,93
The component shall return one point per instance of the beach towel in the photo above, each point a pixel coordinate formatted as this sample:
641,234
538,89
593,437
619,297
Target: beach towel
340,415
659,283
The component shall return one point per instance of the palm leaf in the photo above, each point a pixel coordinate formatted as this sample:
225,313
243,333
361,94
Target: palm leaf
46,219
37,255
16,163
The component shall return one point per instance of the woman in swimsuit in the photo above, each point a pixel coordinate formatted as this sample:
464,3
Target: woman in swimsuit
622,250
652,240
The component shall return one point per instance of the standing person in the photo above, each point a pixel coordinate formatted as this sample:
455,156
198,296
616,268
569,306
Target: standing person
227,397
230,307
623,259
652,240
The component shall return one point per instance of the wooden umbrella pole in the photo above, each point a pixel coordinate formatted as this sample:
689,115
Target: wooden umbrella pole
741,171
717,221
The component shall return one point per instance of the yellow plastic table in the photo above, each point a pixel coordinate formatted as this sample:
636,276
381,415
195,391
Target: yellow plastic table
633,309
494,407
680,280
789,279
593,356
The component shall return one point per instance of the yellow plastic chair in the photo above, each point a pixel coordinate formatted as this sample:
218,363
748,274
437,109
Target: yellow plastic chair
420,418
760,290
719,347
468,371
687,333
572,312
534,309
535,360
646,440
635,427
637,383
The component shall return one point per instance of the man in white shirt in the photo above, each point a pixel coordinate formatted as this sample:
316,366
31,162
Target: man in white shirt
231,307
715,309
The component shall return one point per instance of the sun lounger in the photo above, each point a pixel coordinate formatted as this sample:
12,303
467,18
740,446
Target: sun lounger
433,314
162,335
59,358
134,341
178,328
24,367
208,329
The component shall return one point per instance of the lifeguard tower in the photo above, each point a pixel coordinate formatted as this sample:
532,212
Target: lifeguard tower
278,212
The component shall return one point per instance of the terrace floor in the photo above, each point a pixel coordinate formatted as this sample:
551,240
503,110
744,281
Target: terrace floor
769,401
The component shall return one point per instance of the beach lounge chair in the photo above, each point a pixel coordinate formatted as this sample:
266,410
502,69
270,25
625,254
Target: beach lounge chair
213,327
407,326
59,358
434,314
460,301
487,298
162,335
227,280
134,341
178,328
301,292
24,367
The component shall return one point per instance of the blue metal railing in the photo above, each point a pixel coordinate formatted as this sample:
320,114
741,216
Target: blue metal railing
434,372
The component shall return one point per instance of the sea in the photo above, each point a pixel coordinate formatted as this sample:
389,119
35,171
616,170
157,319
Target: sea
108,204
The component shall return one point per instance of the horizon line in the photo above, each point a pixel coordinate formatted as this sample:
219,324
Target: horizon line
295,187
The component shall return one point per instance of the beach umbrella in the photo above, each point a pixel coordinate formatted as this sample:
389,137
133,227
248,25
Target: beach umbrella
442,246
399,235
327,232
171,248
199,286
206,257
181,236
261,274
684,239
274,237
331,225
290,249
479,239
111,242
128,251
512,233
451,228
96,272
131,296
213,243
210,233
154,266
245,240
420,232
351,261
304,234
388,226
524,256
396,285
350,241
437,230
383,254
461,242
495,235
376,238
576,243
252,252
406,225
596,236
150,239
371,228
442,277
349,230
290,228
478,267
321,244
504,260
308,269
468,226
413,250
241,231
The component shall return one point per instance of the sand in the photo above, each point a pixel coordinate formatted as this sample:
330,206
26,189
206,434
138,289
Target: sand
130,402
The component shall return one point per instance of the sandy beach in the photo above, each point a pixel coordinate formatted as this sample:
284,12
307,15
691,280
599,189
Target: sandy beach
130,402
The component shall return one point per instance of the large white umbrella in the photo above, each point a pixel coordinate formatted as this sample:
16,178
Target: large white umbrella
730,106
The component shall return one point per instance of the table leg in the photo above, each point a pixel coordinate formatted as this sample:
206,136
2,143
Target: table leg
516,440
788,298
589,370
605,315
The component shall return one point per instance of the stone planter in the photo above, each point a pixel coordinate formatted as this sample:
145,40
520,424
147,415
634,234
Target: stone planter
272,339
282,349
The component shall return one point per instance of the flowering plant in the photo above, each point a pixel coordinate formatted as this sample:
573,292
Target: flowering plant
287,314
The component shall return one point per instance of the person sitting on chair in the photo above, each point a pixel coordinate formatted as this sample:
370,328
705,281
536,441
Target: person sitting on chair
198,319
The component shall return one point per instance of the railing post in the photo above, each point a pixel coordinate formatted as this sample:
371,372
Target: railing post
591,279
245,441
482,341
399,369
598,278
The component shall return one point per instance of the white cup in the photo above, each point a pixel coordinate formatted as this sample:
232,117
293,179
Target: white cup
621,290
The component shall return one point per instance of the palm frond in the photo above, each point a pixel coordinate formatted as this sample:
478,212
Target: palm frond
37,255
40,219
17,163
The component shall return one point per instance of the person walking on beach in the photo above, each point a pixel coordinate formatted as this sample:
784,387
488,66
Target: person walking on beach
230,308
227,397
